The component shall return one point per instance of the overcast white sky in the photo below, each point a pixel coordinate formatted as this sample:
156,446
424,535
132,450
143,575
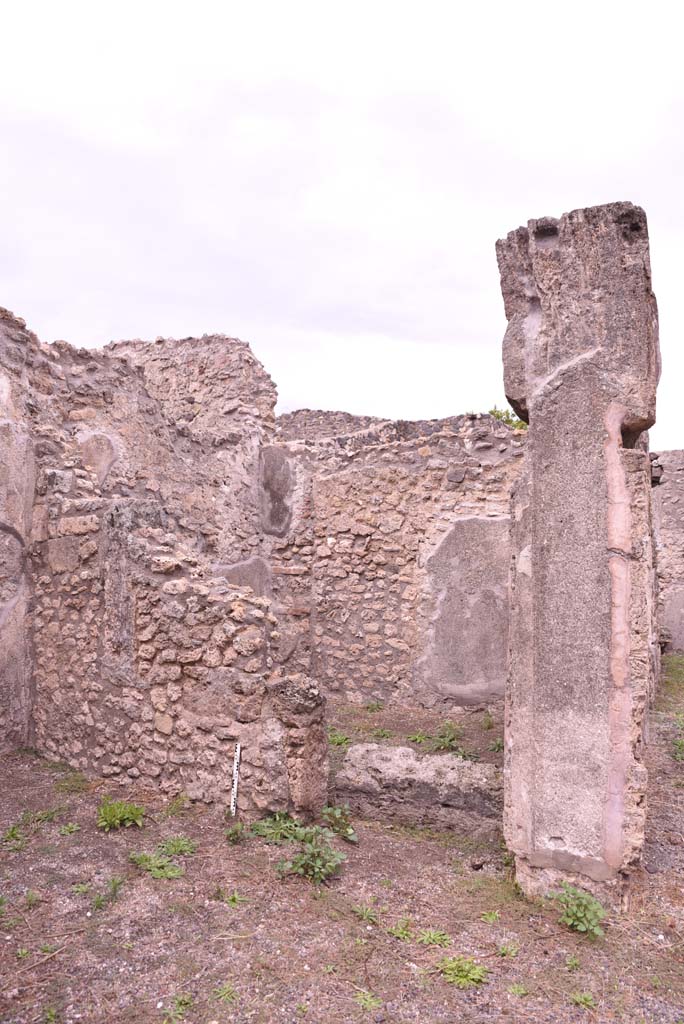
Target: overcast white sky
327,181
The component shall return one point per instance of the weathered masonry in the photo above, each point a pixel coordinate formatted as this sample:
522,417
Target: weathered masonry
181,570
581,365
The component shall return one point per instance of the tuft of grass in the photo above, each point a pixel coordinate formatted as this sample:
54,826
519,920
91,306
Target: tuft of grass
487,721
110,895
278,828
447,741
518,990
497,745
232,899
337,738
367,913
490,916
157,865
69,829
113,814
367,1001
678,748
572,963
81,888
32,899
236,833
179,1007
462,971
176,806
433,937
22,953
584,999
401,930
374,705
73,782
225,993
177,846
418,737
381,734
508,949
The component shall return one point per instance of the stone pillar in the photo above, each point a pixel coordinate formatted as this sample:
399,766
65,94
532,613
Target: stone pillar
581,366
17,485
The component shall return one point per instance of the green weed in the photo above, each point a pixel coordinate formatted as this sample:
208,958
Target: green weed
462,971
112,814
580,911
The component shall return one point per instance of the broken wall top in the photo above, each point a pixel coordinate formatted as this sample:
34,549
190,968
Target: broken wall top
577,292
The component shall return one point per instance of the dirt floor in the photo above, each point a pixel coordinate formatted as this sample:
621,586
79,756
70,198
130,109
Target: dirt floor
230,940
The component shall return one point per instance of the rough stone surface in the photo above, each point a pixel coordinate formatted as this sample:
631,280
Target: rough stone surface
127,477
668,509
396,553
435,789
581,364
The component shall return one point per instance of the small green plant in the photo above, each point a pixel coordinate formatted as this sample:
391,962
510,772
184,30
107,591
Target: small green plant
234,899
508,950
179,1007
236,833
487,721
374,705
48,949
110,895
518,990
337,738
178,805
418,737
32,899
157,865
317,861
448,736
572,963
462,971
367,913
22,953
338,821
490,916
507,417
433,937
381,734
14,838
678,748
112,814
177,846
496,746
225,993
73,782
278,828
81,888
3,905
50,1016
583,999
401,930
69,829
447,741
367,1001
580,911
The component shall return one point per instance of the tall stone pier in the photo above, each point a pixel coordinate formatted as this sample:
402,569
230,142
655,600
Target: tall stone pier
581,366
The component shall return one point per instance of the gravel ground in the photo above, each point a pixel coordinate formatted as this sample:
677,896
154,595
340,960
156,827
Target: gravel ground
231,941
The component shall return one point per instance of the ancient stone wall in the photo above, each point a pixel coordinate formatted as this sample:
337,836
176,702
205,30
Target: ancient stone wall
394,548
668,508
137,658
581,363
